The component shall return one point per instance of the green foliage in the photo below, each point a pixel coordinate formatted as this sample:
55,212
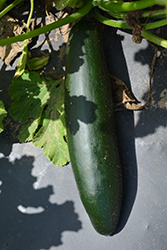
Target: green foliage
2,3
39,105
3,113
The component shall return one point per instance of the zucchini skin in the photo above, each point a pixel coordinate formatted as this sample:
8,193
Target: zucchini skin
90,128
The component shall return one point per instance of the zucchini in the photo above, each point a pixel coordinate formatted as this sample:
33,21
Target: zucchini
90,128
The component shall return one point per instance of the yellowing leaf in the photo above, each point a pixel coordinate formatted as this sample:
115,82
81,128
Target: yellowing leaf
20,68
38,62
3,113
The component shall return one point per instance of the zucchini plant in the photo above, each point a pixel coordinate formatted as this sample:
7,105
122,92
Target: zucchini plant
77,109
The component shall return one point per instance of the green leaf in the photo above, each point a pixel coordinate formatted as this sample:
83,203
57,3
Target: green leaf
39,105
30,95
53,128
3,113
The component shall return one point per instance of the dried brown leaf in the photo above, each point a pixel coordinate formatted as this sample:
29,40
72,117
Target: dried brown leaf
10,27
122,96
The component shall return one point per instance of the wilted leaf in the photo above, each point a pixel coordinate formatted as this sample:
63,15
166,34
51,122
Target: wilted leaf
3,113
39,105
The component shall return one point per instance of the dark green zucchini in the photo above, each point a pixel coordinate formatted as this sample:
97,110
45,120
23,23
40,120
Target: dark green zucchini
90,128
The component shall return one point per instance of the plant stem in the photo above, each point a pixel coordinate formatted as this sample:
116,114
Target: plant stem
126,6
69,19
30,14
157,24
20,68
9,7
153,38
155,14
151,14
110,22
123,24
